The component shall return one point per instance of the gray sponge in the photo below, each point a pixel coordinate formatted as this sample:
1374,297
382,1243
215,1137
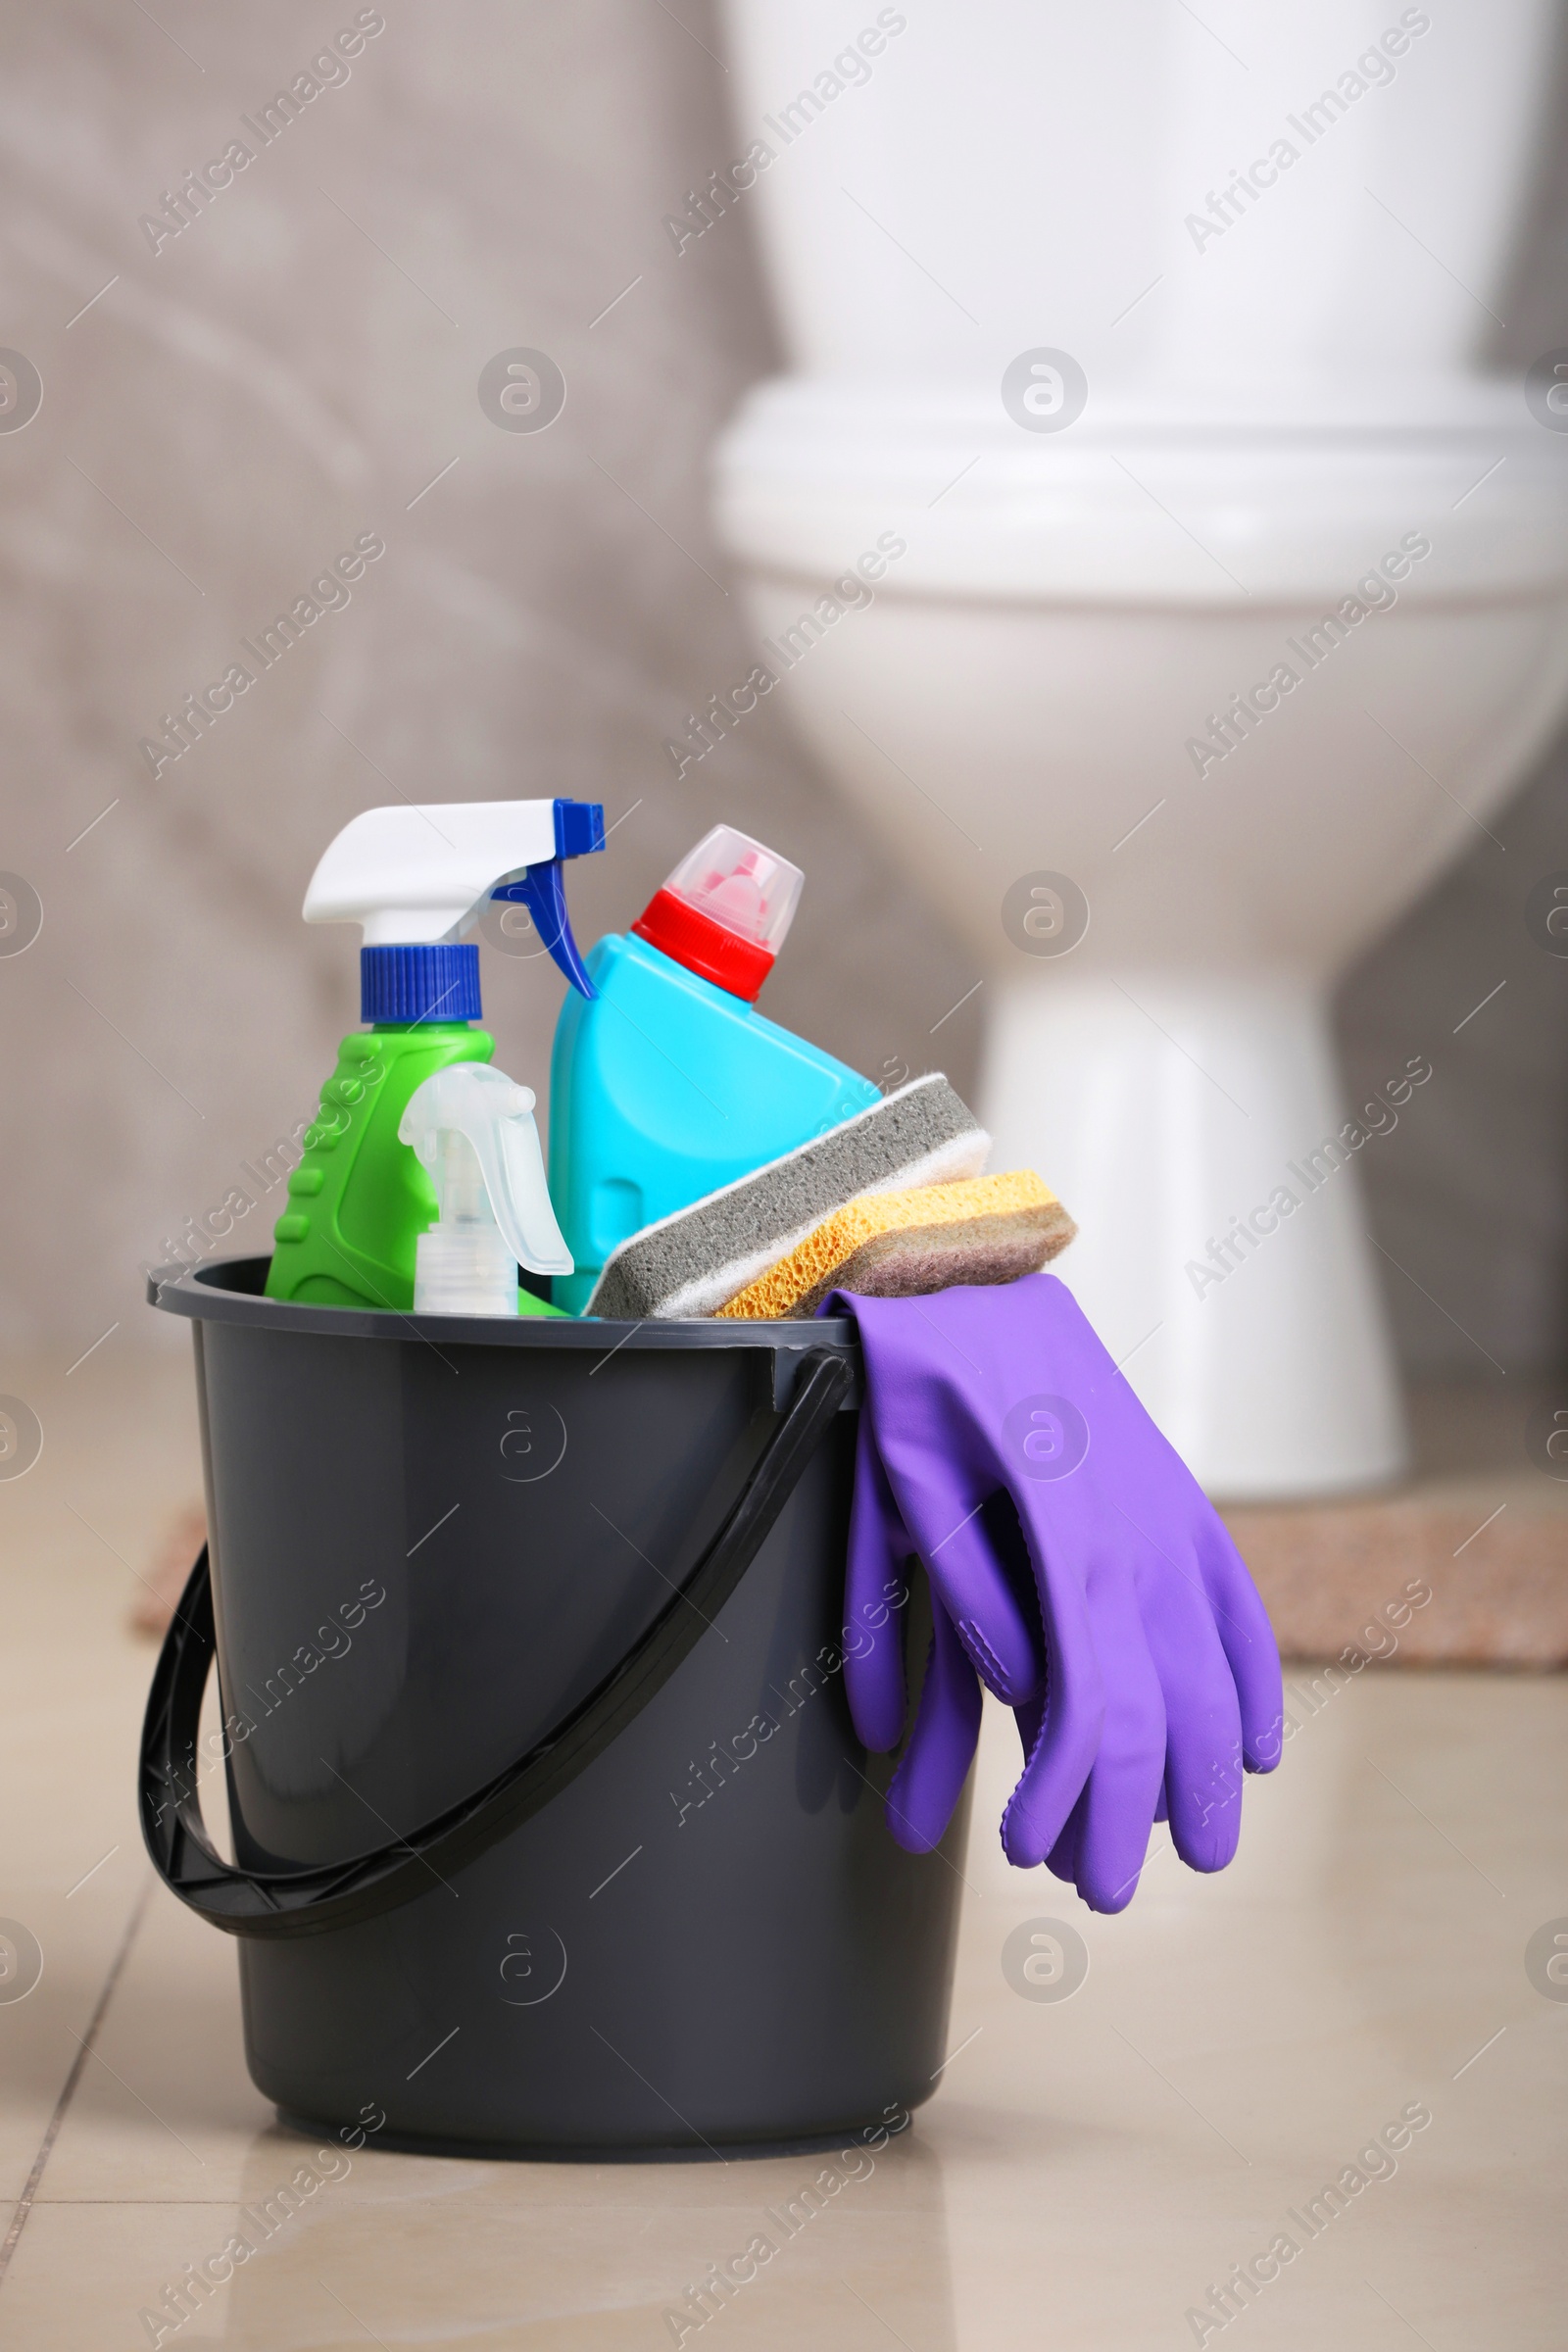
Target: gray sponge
694,1262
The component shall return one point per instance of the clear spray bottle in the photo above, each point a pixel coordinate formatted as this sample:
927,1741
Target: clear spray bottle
473,1131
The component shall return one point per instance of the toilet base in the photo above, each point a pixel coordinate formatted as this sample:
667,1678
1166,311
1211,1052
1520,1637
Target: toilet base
1196,1131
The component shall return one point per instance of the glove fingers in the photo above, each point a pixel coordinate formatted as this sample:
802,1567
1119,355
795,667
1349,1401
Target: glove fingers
947,1518
1247,1640
1203,1731
1119,1802
875,1587
929,1781
1063,1752
1062,1859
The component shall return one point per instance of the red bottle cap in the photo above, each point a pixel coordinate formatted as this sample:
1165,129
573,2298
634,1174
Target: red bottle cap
724,911
682,931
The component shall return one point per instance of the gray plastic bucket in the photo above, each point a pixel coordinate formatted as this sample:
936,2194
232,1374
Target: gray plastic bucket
552,1834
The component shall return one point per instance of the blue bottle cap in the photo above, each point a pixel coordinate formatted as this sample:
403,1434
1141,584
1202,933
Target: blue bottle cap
420,984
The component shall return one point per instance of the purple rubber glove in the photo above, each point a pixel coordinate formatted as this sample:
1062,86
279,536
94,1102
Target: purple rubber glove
1158,1677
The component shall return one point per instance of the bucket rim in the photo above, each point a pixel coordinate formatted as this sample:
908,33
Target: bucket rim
229,1290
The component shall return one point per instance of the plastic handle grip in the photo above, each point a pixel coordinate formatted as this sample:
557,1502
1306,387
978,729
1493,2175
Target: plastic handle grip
527,1221
543,892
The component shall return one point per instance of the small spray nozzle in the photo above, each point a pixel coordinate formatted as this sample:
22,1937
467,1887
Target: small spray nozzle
474,1130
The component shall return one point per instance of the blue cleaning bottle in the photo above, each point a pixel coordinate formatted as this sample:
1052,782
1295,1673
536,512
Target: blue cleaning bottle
668,1083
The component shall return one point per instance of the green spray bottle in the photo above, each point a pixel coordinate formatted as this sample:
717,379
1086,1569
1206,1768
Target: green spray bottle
416,879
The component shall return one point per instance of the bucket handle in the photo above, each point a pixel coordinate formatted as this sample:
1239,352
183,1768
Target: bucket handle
285,1904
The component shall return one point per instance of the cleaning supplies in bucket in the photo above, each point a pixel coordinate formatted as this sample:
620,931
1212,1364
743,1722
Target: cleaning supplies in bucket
473,1131
416,879
1077,1570
668,1084
533,1716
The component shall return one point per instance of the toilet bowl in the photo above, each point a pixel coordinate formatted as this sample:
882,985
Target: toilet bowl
1173,704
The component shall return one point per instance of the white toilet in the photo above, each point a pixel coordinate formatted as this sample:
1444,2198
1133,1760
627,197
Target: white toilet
1173,703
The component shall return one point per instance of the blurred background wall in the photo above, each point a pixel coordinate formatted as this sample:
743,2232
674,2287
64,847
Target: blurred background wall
298,366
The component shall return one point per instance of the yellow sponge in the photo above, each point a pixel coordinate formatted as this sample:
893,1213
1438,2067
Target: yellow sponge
986,1229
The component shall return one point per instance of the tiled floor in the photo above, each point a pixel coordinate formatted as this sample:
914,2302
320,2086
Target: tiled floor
1088,2171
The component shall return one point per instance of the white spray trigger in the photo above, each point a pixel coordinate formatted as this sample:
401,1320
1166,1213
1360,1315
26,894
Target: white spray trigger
474,1130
